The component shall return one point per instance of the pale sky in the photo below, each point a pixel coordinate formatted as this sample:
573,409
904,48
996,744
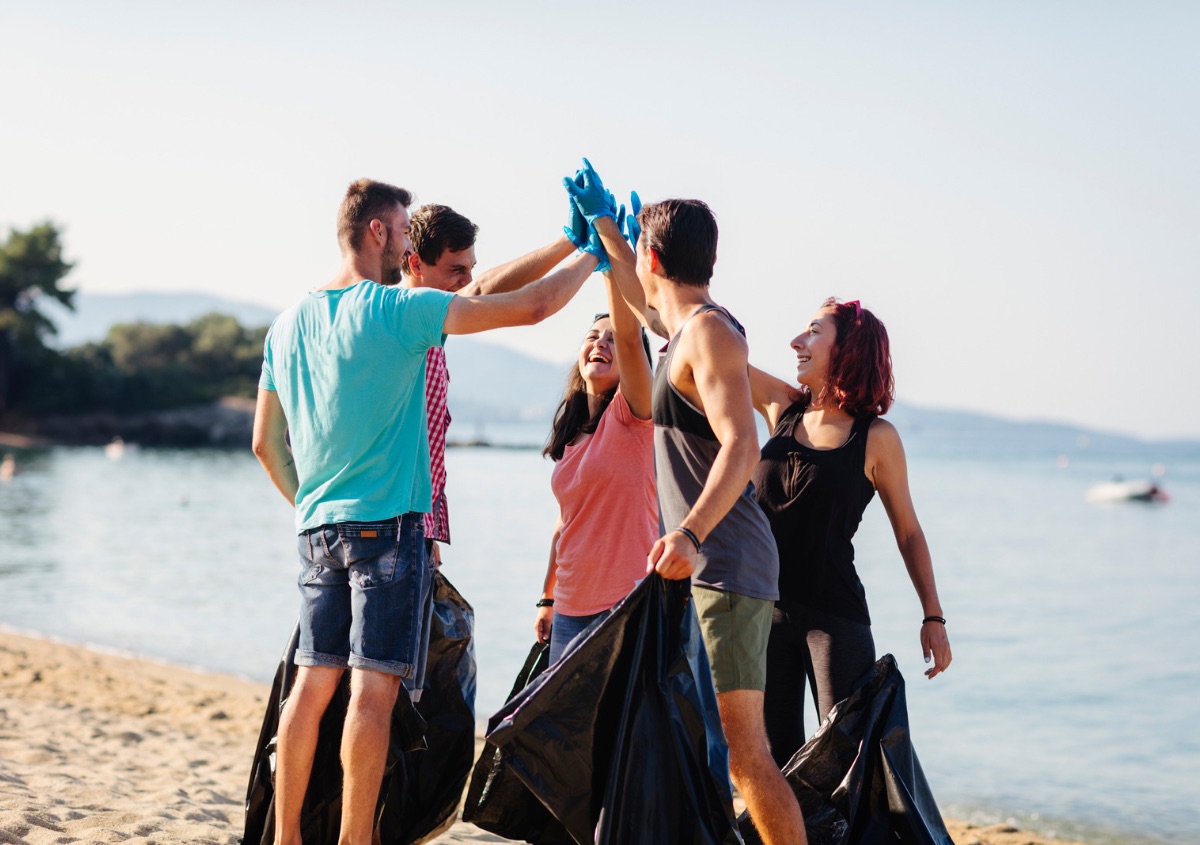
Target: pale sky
1012,187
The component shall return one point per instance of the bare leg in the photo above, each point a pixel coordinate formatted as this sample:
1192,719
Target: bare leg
365,741
770,800
299,724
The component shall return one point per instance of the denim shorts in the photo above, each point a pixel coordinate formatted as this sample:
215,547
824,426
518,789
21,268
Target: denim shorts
567,628
365,591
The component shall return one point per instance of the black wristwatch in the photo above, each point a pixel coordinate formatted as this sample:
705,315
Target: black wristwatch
545,603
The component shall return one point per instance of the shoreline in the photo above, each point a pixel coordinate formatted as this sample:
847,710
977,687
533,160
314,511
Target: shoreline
101,746
222,423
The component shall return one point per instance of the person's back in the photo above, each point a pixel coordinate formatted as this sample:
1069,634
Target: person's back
349,367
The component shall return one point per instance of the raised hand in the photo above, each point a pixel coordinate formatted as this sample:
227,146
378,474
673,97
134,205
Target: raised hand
590,195
633,229
576,229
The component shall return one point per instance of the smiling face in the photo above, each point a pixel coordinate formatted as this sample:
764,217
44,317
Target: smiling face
814,350
597,358
452,272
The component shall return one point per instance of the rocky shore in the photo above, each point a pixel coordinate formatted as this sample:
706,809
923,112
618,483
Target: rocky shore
226,423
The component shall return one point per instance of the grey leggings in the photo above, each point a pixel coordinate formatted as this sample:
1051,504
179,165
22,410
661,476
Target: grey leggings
830,651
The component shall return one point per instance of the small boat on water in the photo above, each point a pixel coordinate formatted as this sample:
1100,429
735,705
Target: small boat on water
1118,490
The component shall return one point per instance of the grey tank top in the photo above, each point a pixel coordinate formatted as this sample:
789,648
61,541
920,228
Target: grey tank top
739,556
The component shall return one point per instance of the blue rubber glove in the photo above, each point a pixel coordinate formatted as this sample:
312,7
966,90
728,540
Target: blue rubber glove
591,197
633,229
595,246
577,229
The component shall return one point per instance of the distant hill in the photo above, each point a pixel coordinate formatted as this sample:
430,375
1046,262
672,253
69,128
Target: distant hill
492,384
95,313
950,433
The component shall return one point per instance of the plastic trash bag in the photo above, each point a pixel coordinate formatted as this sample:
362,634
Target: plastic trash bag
421,791
858,779
621,739
497,800
421,788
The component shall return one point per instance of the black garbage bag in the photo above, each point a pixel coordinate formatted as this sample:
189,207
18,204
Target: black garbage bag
450,687
421,791
858,779
497,800
621,739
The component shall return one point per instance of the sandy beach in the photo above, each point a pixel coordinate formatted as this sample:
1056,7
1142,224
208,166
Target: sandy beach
96,747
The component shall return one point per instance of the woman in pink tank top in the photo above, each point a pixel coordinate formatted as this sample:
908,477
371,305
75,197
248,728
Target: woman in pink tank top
602,443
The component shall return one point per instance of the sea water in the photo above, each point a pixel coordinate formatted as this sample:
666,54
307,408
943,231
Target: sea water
1071,705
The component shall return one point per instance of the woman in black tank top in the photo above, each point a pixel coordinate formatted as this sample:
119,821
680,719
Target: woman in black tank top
828,455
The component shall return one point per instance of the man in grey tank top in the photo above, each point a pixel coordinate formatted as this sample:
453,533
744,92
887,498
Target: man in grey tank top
706,448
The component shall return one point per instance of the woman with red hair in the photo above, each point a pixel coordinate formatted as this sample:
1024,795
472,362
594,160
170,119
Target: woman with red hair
829,453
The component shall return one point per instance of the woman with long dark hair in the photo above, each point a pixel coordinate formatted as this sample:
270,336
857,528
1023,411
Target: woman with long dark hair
829,453
602,443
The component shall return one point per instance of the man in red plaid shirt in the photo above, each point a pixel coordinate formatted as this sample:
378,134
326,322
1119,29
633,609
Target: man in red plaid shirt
443,257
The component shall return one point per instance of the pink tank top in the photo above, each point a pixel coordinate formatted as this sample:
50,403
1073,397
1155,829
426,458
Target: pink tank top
604,485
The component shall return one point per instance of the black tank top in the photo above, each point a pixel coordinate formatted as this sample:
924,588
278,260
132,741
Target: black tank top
814,500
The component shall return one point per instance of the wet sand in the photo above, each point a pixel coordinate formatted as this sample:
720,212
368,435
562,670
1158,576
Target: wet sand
96,747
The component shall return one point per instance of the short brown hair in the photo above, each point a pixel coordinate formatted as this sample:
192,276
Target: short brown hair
437,228
366,200
684,235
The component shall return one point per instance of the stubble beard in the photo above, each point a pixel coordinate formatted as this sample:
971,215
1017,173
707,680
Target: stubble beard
392,268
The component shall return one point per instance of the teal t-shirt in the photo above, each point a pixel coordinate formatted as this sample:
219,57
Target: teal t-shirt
349,368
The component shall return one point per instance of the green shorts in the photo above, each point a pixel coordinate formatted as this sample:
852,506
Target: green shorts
735,630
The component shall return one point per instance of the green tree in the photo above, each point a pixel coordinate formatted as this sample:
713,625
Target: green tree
141,347
149,366
31,272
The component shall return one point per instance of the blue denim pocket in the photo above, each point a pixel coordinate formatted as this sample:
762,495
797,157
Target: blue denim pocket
314,558
369,550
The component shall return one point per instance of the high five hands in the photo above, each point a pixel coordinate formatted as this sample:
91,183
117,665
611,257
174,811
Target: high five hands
590,201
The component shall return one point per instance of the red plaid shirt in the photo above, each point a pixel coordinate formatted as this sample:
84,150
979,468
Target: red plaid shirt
437,386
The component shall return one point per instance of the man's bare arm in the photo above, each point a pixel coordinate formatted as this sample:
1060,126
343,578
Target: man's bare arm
520,271
718,359
624,274
270,444
531,304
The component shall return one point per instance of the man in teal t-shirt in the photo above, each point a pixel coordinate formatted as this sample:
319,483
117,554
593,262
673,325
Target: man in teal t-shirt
344,376
356,433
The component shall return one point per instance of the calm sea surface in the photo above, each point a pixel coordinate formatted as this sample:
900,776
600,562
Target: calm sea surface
1071,707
